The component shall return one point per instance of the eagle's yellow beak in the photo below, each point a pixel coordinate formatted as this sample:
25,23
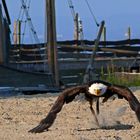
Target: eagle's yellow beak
97,91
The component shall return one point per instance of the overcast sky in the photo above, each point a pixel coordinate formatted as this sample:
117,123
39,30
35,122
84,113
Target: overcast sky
118,16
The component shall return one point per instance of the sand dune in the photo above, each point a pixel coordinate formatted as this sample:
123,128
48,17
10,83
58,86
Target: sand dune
75,122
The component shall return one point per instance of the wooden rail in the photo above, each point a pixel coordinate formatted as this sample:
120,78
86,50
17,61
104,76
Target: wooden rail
73,60
67,52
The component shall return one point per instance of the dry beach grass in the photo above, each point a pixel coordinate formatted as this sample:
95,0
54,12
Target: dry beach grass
74,122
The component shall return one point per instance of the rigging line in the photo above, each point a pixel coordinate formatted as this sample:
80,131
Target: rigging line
29,21
31,35
32,31
20,12
29,2
92,13
24,29
31,26
28,5
23,11
72,8
20,18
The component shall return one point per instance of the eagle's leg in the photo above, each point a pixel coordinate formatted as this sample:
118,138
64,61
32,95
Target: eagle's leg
97,106
93,112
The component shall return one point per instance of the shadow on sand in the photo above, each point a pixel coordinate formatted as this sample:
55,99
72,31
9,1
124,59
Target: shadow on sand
116,127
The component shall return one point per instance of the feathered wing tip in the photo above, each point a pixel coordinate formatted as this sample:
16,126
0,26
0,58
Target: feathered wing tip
138,113
49,120
67,96
130,97
45,123
135,105
38,129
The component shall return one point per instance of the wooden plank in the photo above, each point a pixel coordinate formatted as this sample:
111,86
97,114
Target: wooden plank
119,51
29,62
68,48
79,62
28,46
30,58
130,51
66,55
89,42
80,55
1,37
69,76
6,11
69,55
28,50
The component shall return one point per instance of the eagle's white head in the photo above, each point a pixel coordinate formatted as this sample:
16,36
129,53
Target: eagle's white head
97,89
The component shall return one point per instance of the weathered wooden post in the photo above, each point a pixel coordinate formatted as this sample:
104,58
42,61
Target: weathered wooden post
51,40
6,11
7,41
1,37
17,32
104,35
4,33
96,44
129,33
89,73
76,28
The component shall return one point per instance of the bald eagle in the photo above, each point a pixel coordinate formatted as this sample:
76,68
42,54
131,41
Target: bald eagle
92,91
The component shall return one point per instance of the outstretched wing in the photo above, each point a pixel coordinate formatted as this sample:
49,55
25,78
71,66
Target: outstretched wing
65,97
129,96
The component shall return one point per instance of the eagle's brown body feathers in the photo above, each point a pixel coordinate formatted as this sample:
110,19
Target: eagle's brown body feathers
69,95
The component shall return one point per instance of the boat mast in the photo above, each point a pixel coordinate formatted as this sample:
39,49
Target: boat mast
51,40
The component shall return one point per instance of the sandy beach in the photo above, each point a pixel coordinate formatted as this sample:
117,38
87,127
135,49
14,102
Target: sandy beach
74,122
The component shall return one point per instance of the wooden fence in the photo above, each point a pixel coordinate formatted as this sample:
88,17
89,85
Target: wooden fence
72,60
